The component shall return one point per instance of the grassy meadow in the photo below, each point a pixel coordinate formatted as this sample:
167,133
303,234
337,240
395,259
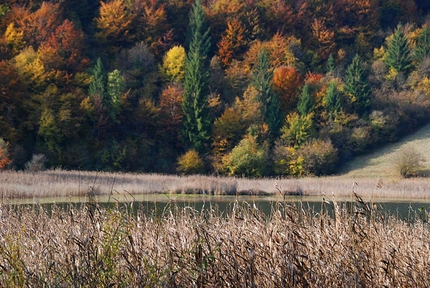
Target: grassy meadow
382,162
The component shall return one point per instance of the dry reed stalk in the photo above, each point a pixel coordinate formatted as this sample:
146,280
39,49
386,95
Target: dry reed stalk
58,183
93,246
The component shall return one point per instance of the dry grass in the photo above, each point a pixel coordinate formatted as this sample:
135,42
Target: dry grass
382,162
95,247
68,184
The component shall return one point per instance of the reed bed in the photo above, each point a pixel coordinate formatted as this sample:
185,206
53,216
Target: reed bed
90,246
58,183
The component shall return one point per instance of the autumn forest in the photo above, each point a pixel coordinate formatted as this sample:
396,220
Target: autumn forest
230,87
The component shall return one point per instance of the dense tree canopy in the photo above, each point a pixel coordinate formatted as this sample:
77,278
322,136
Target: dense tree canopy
237,87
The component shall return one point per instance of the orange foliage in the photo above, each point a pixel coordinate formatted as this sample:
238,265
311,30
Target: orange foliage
114,22
231,42
313,78
63,48
37,26
170,105
287,83
151,22
4,154
277,48
324,37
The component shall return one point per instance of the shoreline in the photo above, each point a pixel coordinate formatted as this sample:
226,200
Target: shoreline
60,183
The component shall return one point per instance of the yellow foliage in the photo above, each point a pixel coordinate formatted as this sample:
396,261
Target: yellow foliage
114,21
297,166
379,54
392,74
174,64
30,66
191,163
87,105
424,86
14,38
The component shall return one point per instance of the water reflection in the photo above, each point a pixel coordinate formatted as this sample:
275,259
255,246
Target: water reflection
158,204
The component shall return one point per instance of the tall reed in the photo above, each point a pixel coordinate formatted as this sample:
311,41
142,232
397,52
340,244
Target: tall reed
90,246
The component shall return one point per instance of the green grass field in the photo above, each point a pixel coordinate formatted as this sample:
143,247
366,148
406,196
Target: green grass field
381,163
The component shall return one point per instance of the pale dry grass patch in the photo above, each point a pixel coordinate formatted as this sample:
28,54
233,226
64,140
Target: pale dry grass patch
58,183
382,162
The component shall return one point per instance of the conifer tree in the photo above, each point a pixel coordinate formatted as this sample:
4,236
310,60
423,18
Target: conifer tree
197,120
98,80
356,85
423,44
115,89
330,65
306,103
399,52
261,79
332,99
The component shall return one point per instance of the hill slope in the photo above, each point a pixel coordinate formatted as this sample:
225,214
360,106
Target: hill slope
380,163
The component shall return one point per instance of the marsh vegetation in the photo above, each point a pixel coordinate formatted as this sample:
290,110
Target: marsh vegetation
90,246
59,183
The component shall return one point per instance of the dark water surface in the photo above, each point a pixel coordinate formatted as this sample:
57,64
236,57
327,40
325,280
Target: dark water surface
157,204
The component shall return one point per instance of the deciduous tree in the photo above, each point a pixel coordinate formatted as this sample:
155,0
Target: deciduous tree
173,67
232,42
287,83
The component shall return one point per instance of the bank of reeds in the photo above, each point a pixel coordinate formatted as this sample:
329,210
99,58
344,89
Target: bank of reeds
58,183
91,246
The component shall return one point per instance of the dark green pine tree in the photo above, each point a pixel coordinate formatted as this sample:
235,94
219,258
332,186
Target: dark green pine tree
399,55
356,85
332,99
423,44
261,79
197,121
274,116
306,102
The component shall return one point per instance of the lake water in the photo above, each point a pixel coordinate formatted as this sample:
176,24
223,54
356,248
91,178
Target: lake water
153,204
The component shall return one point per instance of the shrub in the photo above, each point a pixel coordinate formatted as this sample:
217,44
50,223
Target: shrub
408,162
191,163
320,157
246,159
37,163
317,157
4,154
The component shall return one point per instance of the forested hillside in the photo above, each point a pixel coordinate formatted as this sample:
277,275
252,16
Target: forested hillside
235,87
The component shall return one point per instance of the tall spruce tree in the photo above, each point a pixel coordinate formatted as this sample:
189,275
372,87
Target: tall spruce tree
356,85
261,79
197,121
332,99
306,102
423,44
399,55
